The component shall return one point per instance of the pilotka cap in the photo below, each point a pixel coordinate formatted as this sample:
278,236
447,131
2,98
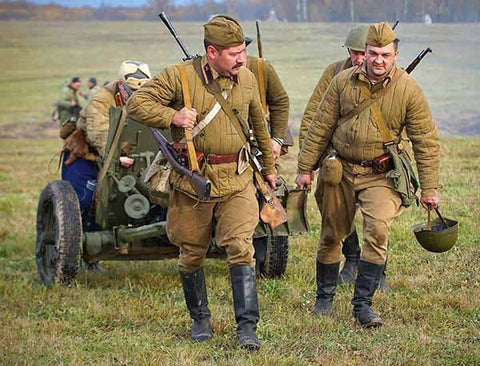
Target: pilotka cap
380,35
224,31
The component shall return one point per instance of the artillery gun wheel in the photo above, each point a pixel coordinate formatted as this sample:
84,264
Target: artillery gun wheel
271,253
59,233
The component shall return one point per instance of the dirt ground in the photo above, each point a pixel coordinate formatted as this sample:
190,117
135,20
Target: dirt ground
466,124
29,130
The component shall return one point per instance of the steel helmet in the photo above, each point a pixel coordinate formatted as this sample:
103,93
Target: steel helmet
357,38
134,73
437,236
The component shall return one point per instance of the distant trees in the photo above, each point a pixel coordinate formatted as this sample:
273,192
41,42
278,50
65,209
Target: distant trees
282,10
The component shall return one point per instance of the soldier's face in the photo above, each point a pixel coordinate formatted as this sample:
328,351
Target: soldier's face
380,60
76,85
357,57
227,62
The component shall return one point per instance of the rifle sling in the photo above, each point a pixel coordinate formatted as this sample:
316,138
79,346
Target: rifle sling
192,157
214,88
369,100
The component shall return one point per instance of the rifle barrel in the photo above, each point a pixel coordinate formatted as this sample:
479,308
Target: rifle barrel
173,32
259,40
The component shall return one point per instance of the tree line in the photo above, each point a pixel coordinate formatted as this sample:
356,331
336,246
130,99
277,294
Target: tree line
273,10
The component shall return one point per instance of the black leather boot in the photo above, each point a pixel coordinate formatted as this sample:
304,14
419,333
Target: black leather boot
245,303
365,286
382,284
327,275
351,251
197,303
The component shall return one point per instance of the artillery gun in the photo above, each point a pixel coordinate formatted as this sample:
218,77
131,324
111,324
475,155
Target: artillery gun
129,226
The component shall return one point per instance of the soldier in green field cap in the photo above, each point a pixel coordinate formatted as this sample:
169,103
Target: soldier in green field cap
232,211
356,136
355,44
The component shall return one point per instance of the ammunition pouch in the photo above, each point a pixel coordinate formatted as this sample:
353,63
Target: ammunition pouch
157,179
403,176
331,170
67,128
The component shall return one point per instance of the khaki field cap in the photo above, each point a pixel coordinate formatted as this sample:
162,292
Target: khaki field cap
134,73
357,37
224,31
380,35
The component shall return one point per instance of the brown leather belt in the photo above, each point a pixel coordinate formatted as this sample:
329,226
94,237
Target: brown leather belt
379,165
214,159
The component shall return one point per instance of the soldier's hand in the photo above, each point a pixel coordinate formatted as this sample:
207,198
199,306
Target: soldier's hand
276,148
429,202
304,181
73,103
185,118
126,162
271,179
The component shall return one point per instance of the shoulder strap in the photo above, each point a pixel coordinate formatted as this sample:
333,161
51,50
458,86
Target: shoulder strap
192,158
369,100
214,88
381,124
261,84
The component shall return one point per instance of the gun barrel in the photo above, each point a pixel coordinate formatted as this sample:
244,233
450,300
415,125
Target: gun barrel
395,25
259,40
424,53
163,16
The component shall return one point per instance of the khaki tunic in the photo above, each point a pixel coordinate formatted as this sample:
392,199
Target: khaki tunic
65,109
97,119
233,209
357,139
318,93
276,96
160,98
89,95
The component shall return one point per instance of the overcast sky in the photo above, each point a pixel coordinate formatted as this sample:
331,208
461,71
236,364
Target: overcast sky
96,3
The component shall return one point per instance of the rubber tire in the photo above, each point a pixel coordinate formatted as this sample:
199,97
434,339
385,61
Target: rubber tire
59,233
271,254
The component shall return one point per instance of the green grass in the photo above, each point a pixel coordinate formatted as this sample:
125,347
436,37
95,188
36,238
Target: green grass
134,313
39,57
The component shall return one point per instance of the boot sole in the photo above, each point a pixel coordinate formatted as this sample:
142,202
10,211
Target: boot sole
250,346
202,337
375,323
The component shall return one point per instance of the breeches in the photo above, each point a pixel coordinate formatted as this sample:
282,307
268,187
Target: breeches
378,204
190,224
79,173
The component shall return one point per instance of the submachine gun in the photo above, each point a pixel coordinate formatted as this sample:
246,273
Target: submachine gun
190,168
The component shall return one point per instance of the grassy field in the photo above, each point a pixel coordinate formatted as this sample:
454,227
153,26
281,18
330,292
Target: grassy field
134,313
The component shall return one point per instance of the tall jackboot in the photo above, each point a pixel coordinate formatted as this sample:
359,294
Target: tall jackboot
326,284
245,303
365,286
351,251
382,284
195,292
